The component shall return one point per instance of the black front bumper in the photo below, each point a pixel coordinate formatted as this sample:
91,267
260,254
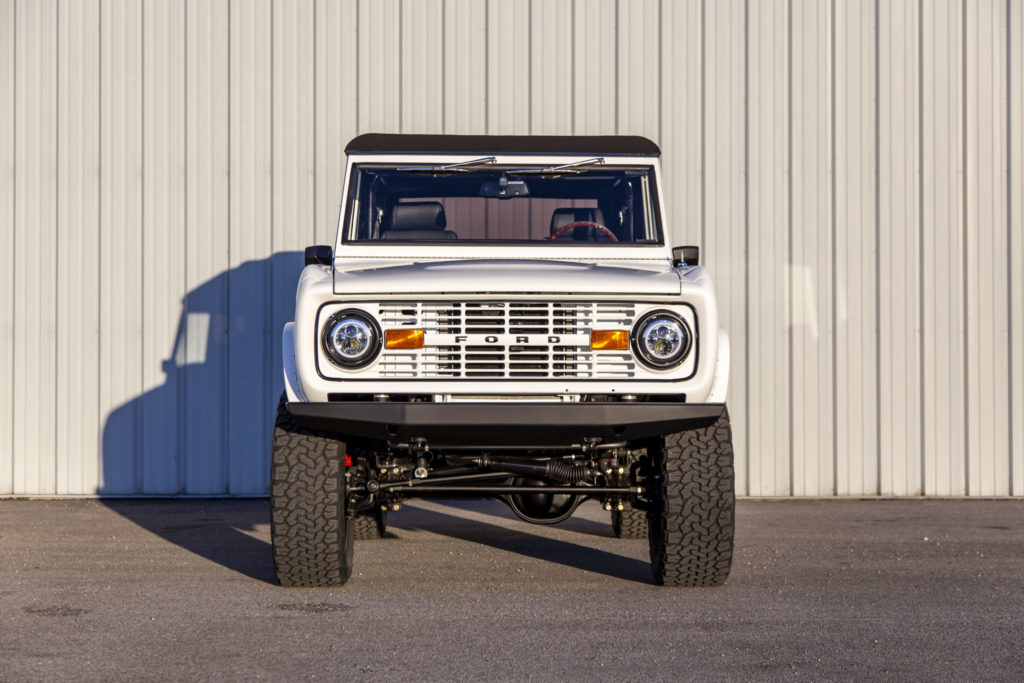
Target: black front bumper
504,424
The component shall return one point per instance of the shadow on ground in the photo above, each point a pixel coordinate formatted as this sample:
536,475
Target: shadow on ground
227,533
577,523
523,543
216,530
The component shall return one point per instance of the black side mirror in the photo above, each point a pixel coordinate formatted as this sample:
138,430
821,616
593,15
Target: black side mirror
319,255
688,255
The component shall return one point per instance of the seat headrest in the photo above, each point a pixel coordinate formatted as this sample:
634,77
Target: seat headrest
418,216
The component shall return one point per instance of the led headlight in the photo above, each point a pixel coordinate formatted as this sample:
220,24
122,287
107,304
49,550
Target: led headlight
662,339
351,339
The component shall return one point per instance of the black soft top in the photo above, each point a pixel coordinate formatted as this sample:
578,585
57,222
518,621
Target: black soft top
598,145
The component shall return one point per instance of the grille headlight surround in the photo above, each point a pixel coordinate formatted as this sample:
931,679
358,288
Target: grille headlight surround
661,340
351,339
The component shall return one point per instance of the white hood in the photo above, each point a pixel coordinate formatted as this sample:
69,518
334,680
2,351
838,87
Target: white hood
483,276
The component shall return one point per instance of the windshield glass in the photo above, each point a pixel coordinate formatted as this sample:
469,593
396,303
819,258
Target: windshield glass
586,203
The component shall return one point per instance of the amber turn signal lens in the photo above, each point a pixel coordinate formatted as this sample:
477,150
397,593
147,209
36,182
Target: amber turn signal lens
403,339
609,340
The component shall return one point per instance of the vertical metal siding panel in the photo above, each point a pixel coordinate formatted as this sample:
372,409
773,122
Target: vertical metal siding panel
120,264
422,66
77,247
639,96
294,216
682,119
810,269
294,126
337,37
8,179
942,242
465,68
206,219
987,277
380,77
35,287
166,332
594,68
1015,78
589,71
550,60
898,280
768,389
856,249
508,82
254,387
724,196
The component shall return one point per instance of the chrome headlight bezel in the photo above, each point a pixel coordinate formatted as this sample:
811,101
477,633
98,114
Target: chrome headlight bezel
363,321
639,344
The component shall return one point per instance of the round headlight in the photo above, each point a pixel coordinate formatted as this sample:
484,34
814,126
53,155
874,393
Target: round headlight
662,339
351,339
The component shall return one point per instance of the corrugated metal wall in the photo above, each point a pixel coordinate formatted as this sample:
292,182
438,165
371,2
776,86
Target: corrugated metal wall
853,170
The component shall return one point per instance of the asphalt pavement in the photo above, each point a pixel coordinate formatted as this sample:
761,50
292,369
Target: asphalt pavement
819,590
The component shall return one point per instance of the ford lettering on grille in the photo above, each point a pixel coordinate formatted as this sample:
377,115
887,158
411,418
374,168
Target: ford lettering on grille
526,340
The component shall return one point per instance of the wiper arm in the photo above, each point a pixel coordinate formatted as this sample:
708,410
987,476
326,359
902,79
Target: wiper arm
574,167
459,167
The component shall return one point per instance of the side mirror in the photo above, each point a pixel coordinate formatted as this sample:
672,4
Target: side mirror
686,255
319,255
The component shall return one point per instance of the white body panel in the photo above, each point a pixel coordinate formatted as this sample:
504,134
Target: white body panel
365,274
720,385
315,290
291,379
506,276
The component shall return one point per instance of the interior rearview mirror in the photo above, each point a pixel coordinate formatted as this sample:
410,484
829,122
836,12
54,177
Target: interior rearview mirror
504,188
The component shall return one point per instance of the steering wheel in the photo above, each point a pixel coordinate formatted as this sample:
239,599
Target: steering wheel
588,224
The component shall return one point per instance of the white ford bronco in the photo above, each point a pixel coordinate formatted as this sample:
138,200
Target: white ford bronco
505,317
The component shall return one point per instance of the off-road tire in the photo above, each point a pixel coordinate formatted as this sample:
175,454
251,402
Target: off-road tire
310,532
692,520
629,523
369,525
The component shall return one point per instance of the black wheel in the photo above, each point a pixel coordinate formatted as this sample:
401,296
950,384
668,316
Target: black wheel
311,535
629,523
369,525
691,523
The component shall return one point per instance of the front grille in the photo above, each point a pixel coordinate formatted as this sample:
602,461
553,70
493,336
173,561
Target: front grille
518,340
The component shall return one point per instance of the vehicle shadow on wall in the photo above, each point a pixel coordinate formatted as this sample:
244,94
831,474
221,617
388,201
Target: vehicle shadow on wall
204,427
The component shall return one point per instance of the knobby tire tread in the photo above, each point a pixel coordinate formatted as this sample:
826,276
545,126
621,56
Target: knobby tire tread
691,525
310,533
629,523
369,525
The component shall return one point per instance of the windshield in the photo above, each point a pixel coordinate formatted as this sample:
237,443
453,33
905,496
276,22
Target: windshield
480,201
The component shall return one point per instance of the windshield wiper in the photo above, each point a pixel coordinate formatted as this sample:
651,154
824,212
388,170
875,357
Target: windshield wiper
459,167
574,167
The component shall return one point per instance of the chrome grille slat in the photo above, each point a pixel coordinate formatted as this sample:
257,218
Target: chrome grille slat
533,360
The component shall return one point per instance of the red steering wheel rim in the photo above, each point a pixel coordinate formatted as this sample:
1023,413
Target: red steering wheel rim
580,224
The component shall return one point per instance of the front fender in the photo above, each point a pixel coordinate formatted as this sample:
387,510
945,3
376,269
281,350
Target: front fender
291,377
720,385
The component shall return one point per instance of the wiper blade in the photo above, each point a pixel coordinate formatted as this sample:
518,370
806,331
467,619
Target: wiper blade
459,167
574,167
